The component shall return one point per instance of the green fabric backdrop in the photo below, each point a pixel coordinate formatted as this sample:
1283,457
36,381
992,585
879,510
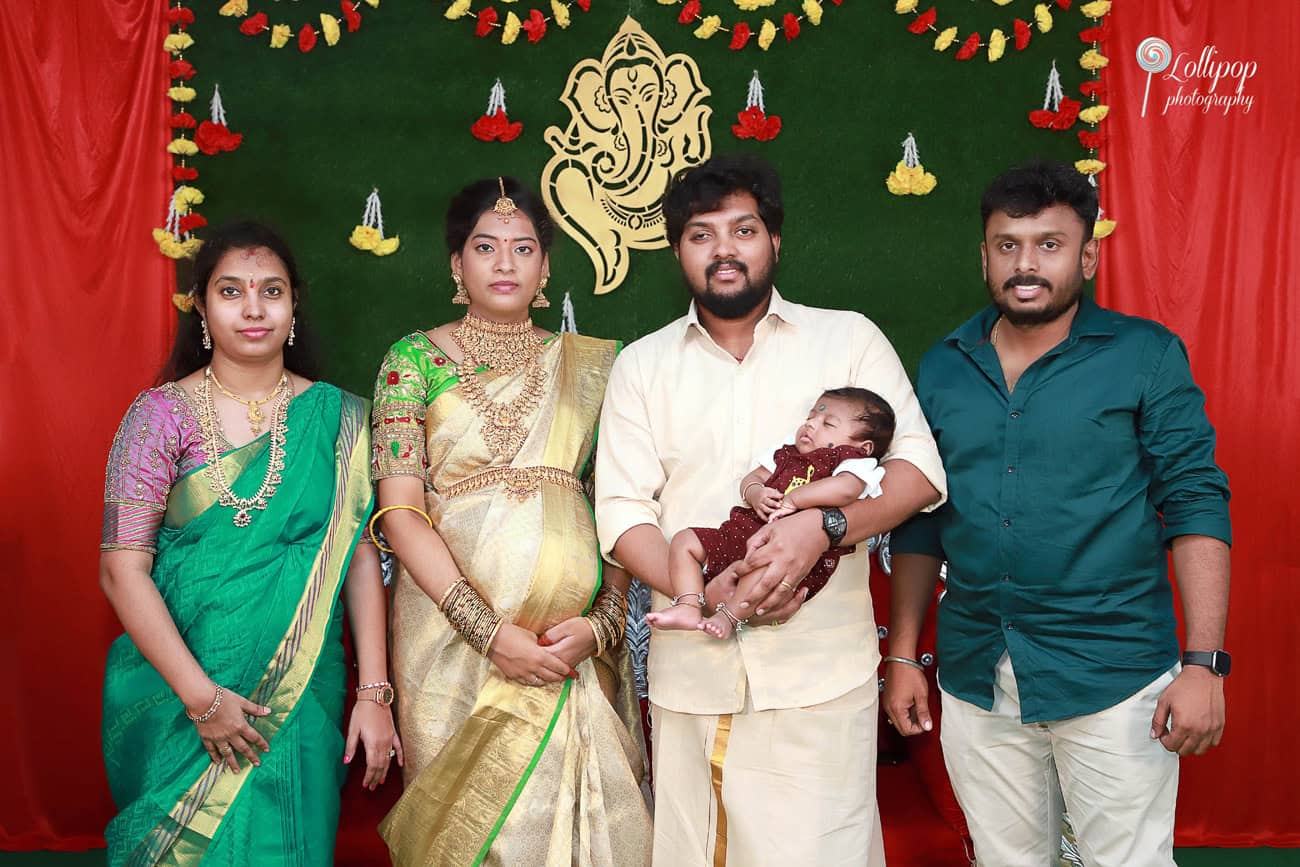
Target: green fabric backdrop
391,106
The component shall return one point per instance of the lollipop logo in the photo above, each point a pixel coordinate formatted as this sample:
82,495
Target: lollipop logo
1153,55
1209,68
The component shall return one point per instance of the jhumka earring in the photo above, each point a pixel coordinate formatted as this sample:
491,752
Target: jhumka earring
292,323
461,296
207,337
540,299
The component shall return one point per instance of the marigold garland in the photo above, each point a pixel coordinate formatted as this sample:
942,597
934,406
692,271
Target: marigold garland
996,45
742,33
1094,90
330,27
534,26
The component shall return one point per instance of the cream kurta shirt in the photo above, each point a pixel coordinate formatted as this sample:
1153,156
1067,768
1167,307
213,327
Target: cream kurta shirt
680,426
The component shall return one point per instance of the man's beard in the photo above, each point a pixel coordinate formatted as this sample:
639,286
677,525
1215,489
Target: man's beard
1058,303
739,304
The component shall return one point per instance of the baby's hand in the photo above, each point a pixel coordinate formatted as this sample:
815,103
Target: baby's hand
784,509
769,500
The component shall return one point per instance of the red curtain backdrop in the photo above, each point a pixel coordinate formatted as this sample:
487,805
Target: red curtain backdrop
1209,244
85,322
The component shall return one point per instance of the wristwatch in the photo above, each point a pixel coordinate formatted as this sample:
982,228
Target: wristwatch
1217,661
835,525
380,693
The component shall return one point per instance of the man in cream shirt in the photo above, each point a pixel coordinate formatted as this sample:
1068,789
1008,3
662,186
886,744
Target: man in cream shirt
765,744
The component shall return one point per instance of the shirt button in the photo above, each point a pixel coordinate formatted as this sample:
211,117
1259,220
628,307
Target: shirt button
1015,413
1006,577
1011,469
1006,522
1011,627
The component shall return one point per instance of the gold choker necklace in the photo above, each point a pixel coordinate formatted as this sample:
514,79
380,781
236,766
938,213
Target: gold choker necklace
504,347
255,416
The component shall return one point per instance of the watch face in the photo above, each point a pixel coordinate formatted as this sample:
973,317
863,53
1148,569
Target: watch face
384,695
1222,663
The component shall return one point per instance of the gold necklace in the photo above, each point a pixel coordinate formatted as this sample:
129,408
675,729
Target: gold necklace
993,335
504,348
217,480
255,417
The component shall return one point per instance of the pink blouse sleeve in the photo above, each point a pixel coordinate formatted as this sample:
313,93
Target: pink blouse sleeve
142,466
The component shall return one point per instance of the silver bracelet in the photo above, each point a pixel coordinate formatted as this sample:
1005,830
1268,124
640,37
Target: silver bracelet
210,712
905,661
685,597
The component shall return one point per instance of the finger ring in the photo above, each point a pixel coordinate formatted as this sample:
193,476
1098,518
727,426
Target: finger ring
776,622
787,585
225,749
392,753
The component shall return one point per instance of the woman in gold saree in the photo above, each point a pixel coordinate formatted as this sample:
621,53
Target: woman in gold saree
236,497
514,694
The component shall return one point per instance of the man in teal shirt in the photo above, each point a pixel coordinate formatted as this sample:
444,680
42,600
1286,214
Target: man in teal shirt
1077,451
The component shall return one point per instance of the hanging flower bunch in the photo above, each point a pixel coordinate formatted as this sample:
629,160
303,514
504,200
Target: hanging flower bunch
743,33
175,238
369,235
909,177
754,121
970,45
330,29
1094,89
1058,111
494,124
534,27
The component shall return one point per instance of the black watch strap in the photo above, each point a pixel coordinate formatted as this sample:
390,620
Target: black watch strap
1217,661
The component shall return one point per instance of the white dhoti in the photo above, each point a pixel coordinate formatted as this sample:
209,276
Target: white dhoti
784,786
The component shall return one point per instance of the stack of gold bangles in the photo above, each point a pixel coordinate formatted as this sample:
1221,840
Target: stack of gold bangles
608,618
469,615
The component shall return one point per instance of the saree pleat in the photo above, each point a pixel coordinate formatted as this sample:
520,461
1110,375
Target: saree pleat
497,773
257,608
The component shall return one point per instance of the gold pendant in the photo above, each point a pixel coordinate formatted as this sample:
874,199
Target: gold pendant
255,418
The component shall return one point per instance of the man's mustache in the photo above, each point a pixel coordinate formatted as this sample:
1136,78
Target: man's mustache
1026,280
725,263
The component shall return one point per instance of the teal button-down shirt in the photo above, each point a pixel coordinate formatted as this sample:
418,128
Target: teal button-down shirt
1062,498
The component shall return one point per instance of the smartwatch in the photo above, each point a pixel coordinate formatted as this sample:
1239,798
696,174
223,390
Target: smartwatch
1217,661
835,525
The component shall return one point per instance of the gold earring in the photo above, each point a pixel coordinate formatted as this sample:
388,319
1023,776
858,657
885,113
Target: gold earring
540,299
461,296
207,338
292,323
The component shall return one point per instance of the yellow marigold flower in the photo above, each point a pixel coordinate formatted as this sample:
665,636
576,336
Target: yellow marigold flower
510,32
183,301
1093,59
1002,2
902,7
280,35
1102,228
945,39
751,5
177,42
560,13
329,25
997,45
459,9
668,2
364,237
1096,9
182,147
812,10
185,196
708,27
1089,167
180,93
1094,113
766,34
1043,18
386,246
234,7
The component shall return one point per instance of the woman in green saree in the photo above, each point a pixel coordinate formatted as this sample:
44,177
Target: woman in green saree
235,501
514,691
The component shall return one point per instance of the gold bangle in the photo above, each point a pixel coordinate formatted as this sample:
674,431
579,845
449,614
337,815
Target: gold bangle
371,526
442,603
744,493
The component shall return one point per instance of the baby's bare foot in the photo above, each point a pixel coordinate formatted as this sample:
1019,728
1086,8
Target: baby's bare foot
719,626
680,616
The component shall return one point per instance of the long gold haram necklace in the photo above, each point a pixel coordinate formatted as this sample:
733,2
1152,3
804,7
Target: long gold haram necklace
255,416
217,480
504,347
